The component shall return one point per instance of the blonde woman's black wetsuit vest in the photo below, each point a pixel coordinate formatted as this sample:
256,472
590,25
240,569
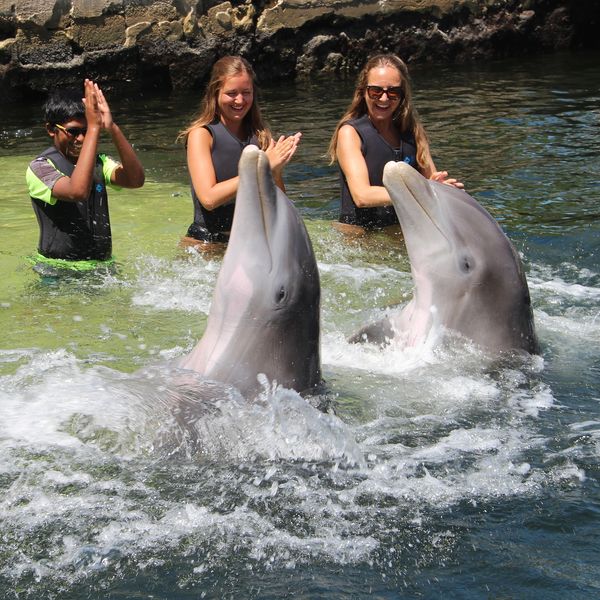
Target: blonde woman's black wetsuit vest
215,225
75,230
377,153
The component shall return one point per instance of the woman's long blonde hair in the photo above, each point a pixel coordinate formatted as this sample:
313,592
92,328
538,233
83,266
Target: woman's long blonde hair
225,67
405,118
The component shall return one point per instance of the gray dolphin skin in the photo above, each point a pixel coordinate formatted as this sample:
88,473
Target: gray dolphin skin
467,275
265,312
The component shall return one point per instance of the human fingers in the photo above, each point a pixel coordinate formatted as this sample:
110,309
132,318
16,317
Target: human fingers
280,147
454,183
296,137
291,153
288,147
287,140
88,92
99,93
90,103
103,107
439,175
288,155
273,154
277,143
290,144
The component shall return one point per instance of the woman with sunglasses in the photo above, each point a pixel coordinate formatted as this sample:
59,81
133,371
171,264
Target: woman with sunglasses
379,126
229,120
67,182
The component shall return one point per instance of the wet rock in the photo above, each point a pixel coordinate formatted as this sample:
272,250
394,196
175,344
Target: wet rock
173,43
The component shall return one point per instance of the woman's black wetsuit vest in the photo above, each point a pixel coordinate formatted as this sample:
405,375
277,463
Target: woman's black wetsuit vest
377,153
75,230
211,225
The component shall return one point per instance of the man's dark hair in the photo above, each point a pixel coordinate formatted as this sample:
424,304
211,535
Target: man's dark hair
63,105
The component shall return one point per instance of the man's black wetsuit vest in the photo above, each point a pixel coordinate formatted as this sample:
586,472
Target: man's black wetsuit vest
210,225
377,153
75,230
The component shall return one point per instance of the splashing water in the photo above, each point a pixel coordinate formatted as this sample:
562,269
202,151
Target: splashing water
432,471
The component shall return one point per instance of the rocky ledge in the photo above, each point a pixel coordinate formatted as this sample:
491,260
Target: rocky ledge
171,44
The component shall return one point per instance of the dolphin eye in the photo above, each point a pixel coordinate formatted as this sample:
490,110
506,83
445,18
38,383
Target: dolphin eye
466,264
280,295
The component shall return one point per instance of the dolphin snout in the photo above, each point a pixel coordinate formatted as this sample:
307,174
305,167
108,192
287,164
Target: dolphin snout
400,173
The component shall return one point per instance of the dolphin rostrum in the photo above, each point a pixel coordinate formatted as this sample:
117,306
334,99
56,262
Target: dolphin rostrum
467,275
264,316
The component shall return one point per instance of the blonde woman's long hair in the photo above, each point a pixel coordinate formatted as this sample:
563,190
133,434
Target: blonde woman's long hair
405,118
225,67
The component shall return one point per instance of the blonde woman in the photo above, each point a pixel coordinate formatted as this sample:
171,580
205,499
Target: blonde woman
380,125
229,120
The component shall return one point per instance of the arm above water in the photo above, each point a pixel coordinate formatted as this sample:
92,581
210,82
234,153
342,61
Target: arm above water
202,171
353,165
130,173
76,188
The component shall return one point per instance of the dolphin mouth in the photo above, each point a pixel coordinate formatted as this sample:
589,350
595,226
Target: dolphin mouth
256,229
265,185
411,181
426,210
267,199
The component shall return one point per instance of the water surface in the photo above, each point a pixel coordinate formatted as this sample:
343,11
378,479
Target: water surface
437,473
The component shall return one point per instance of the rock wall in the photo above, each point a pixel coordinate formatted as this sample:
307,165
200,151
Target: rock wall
171,44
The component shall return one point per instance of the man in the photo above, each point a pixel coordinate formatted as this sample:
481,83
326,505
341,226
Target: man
67,182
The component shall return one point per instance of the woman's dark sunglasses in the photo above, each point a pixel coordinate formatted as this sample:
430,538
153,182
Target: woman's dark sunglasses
72,131
376,91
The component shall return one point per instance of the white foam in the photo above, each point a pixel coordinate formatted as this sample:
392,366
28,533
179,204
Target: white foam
359,275
101,454
563,289
180,285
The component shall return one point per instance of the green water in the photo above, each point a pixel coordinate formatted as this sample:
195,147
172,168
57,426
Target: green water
71,312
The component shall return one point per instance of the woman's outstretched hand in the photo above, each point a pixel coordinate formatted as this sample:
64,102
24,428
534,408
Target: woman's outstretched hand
281,151
442,176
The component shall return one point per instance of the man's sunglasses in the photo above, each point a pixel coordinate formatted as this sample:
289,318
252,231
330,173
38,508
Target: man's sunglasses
72,131
376,91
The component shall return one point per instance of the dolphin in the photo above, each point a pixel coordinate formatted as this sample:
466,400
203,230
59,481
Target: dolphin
467,275
265,311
